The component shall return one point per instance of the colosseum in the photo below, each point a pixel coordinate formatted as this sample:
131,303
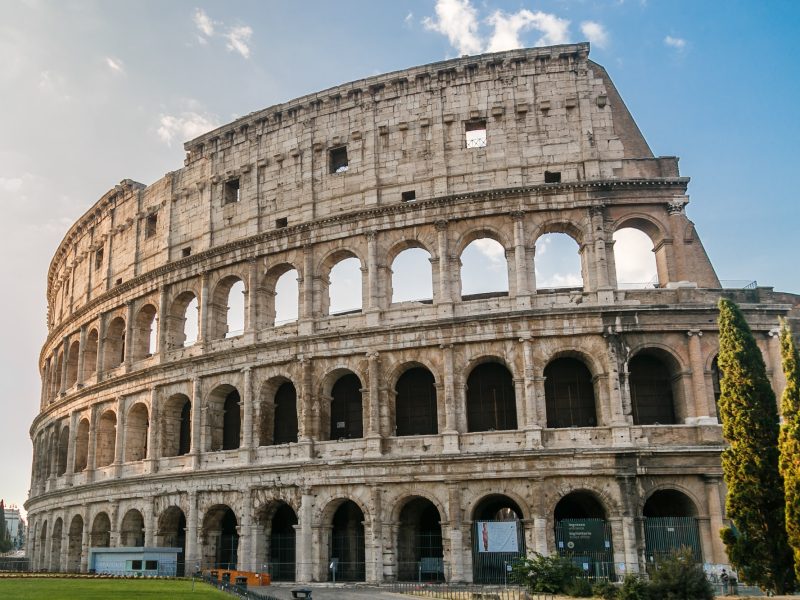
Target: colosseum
437,436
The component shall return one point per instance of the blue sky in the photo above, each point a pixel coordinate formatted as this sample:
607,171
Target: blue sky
96,92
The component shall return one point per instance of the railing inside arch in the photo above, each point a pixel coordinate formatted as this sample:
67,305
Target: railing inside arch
587,543
496,545
665,535
347,557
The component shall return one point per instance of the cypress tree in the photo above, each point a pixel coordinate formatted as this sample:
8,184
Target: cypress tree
790,441
757,546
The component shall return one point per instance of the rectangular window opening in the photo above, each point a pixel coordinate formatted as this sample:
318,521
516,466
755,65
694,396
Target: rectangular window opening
232,191
151,565
409,196
552,176
281,223
98,258
475,134
136,565
338,160
186,252
150,226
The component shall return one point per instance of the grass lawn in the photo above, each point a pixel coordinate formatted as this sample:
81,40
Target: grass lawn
105,589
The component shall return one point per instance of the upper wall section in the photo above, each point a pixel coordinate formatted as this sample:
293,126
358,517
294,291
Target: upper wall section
534,116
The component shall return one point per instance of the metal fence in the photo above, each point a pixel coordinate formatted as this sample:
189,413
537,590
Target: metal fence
238,591
461,591
587,543
16,564
492,566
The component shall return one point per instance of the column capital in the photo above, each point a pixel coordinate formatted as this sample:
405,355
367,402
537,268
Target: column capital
695,332
440,224
676,205
517,215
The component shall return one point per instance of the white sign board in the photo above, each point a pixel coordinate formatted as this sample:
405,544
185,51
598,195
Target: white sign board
497,536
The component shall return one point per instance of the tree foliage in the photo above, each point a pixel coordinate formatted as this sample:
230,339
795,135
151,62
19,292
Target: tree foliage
758,546
550,574
5,535
789,443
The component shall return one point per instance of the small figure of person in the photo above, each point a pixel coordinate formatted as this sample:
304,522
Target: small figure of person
723,577
485,535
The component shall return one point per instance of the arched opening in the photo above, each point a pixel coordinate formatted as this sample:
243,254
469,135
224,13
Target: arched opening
491,400
72,363
43,557
583,534
177,419
651,390
132,529
279,415
347,543
415,403
55,545
412,277
224,418
136,426
236,310
420,553
484,271
287,298
569,394
498,538
557,262
227,309
347,419
114,353
106,439
90,355
276,543
670,523
63,449
344,287
716,374
74,545
183,321
635,259
172,534
100,536
220,538
82,445
145,332
56,374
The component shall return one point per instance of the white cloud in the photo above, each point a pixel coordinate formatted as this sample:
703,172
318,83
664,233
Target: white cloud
595,33
115,64
491,249
203,23
507,27
675,42
185,126
238,37
458,20
10,184
409,19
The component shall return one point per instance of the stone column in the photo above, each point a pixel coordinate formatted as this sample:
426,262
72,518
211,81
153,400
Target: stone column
114,534
699,409
119,443
244,554
202,326
456,558
520,259
252,325
540,534
153,446
373,301
533,419
81,356
618,390
64,361
101,346
304,541
627,485
246,453
376,541
305,312
373,407
445,291
197,411
73,425
450,433
677,224
778,376
596,224
305,407
90,455
85,540
715,515
129,317
163,319
150,523
192,554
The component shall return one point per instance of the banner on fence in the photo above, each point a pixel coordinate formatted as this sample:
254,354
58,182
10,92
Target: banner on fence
497,536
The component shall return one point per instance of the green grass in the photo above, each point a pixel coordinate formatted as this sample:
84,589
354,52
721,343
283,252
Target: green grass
105,589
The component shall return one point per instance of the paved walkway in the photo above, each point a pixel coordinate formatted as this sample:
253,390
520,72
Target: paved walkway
330,592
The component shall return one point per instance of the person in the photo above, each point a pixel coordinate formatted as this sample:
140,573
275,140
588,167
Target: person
485,537
724,579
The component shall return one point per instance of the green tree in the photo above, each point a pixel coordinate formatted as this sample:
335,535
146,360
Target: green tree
790,441
757,546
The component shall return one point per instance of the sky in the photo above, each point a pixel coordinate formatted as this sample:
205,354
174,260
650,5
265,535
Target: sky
95,92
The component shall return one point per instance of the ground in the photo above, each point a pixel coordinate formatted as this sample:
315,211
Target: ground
102,589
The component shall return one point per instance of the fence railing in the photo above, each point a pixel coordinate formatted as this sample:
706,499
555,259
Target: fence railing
16,564
237,591
465,591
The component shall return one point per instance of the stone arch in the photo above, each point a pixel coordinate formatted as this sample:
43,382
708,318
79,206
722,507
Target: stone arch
271,282
63,451
137,424
476,281
55,376
491,402
56,540
670,523
114,344
171,533
570,398
419,543
497,536
657,232
399,275
609,504
326,385
74,545
181,331
227,312
278,418
106,439
634,260
100,537
176,419
145,332
653,376
44,559
90,354
554,269
72,363
131,529
220,537
582,529
329,288
346,542
82,445
416,410
223,419
275,543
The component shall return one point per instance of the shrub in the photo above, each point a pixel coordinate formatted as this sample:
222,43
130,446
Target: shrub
550,574
605,590
679,577
579,588
634,588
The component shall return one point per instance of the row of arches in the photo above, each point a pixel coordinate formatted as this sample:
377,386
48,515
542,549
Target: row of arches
483,268
497,531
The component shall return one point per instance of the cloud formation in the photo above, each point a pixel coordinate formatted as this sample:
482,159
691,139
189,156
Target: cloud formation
459,21
10,184
185,126
238,38
115,64
203,23
675,42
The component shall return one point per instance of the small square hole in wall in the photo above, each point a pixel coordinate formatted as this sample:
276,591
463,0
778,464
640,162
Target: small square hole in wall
119,281
231,191
475,134
338,160
150,226
409,196
186,252
552,176
281,223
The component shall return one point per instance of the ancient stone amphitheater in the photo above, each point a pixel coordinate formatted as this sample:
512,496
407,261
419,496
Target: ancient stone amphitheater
435,438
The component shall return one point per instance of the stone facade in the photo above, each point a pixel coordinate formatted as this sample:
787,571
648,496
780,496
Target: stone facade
354,436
